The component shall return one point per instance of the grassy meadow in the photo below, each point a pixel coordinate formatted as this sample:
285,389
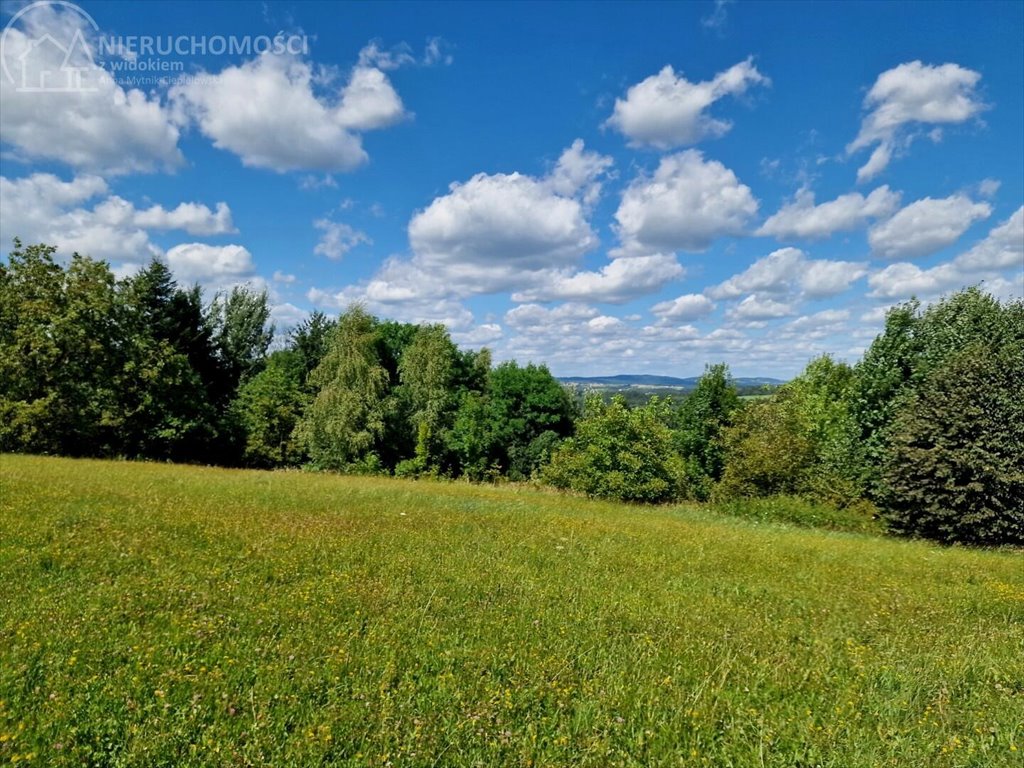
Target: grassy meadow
160,615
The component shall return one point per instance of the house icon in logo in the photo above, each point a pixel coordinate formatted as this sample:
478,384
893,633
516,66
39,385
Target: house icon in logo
44,49
37,72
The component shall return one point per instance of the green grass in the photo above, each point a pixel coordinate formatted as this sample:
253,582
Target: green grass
797,511
166,615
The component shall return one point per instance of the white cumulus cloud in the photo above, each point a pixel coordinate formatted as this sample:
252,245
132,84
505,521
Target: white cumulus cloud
997,260
501,219
578,173
903,280
81,215
685,205
1002,249
803,220
618,281
369,101
337,238
498,232
485,333
273,112
789,271
775,273
756,307
533,315
690,306
826,321
211,264
926,226
666,110
99,127
194,218
912,94
822,278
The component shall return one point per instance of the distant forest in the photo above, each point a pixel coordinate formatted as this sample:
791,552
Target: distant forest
639,394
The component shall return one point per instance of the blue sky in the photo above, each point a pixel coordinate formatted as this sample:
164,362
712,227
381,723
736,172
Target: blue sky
608,188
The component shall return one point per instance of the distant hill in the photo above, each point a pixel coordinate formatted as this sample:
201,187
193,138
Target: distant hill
626,380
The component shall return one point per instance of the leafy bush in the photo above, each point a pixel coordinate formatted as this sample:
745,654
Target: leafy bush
916,342
699,423
268,406
523,403
768,449
513,427
823,394
427,371
525,460
619,453
955,462
803,439
346,419
413,467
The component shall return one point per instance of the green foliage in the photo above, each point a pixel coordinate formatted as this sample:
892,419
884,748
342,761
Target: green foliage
619,453
803,439
524,402
698,428
346,419
140,368
861,517
399,440
393,338
768,448
269,406
58,356
524,461
473,369
954,468
824,394
470,437
915,342
309,341
427,372
886,368
242,333
89,366
511,426
948,478
170,385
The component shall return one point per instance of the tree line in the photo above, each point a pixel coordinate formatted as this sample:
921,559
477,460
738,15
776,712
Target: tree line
926,430
142,368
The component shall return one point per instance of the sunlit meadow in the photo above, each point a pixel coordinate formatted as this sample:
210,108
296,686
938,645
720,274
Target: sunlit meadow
157,615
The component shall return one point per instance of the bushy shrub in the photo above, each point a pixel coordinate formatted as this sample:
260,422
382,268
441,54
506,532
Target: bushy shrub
916,342
346,419
824,396
954,468
523,403
768,449
619,453
699,422
268,407
413,467
513,427
803,439
526,460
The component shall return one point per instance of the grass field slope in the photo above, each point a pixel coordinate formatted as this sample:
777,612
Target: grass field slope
159,615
